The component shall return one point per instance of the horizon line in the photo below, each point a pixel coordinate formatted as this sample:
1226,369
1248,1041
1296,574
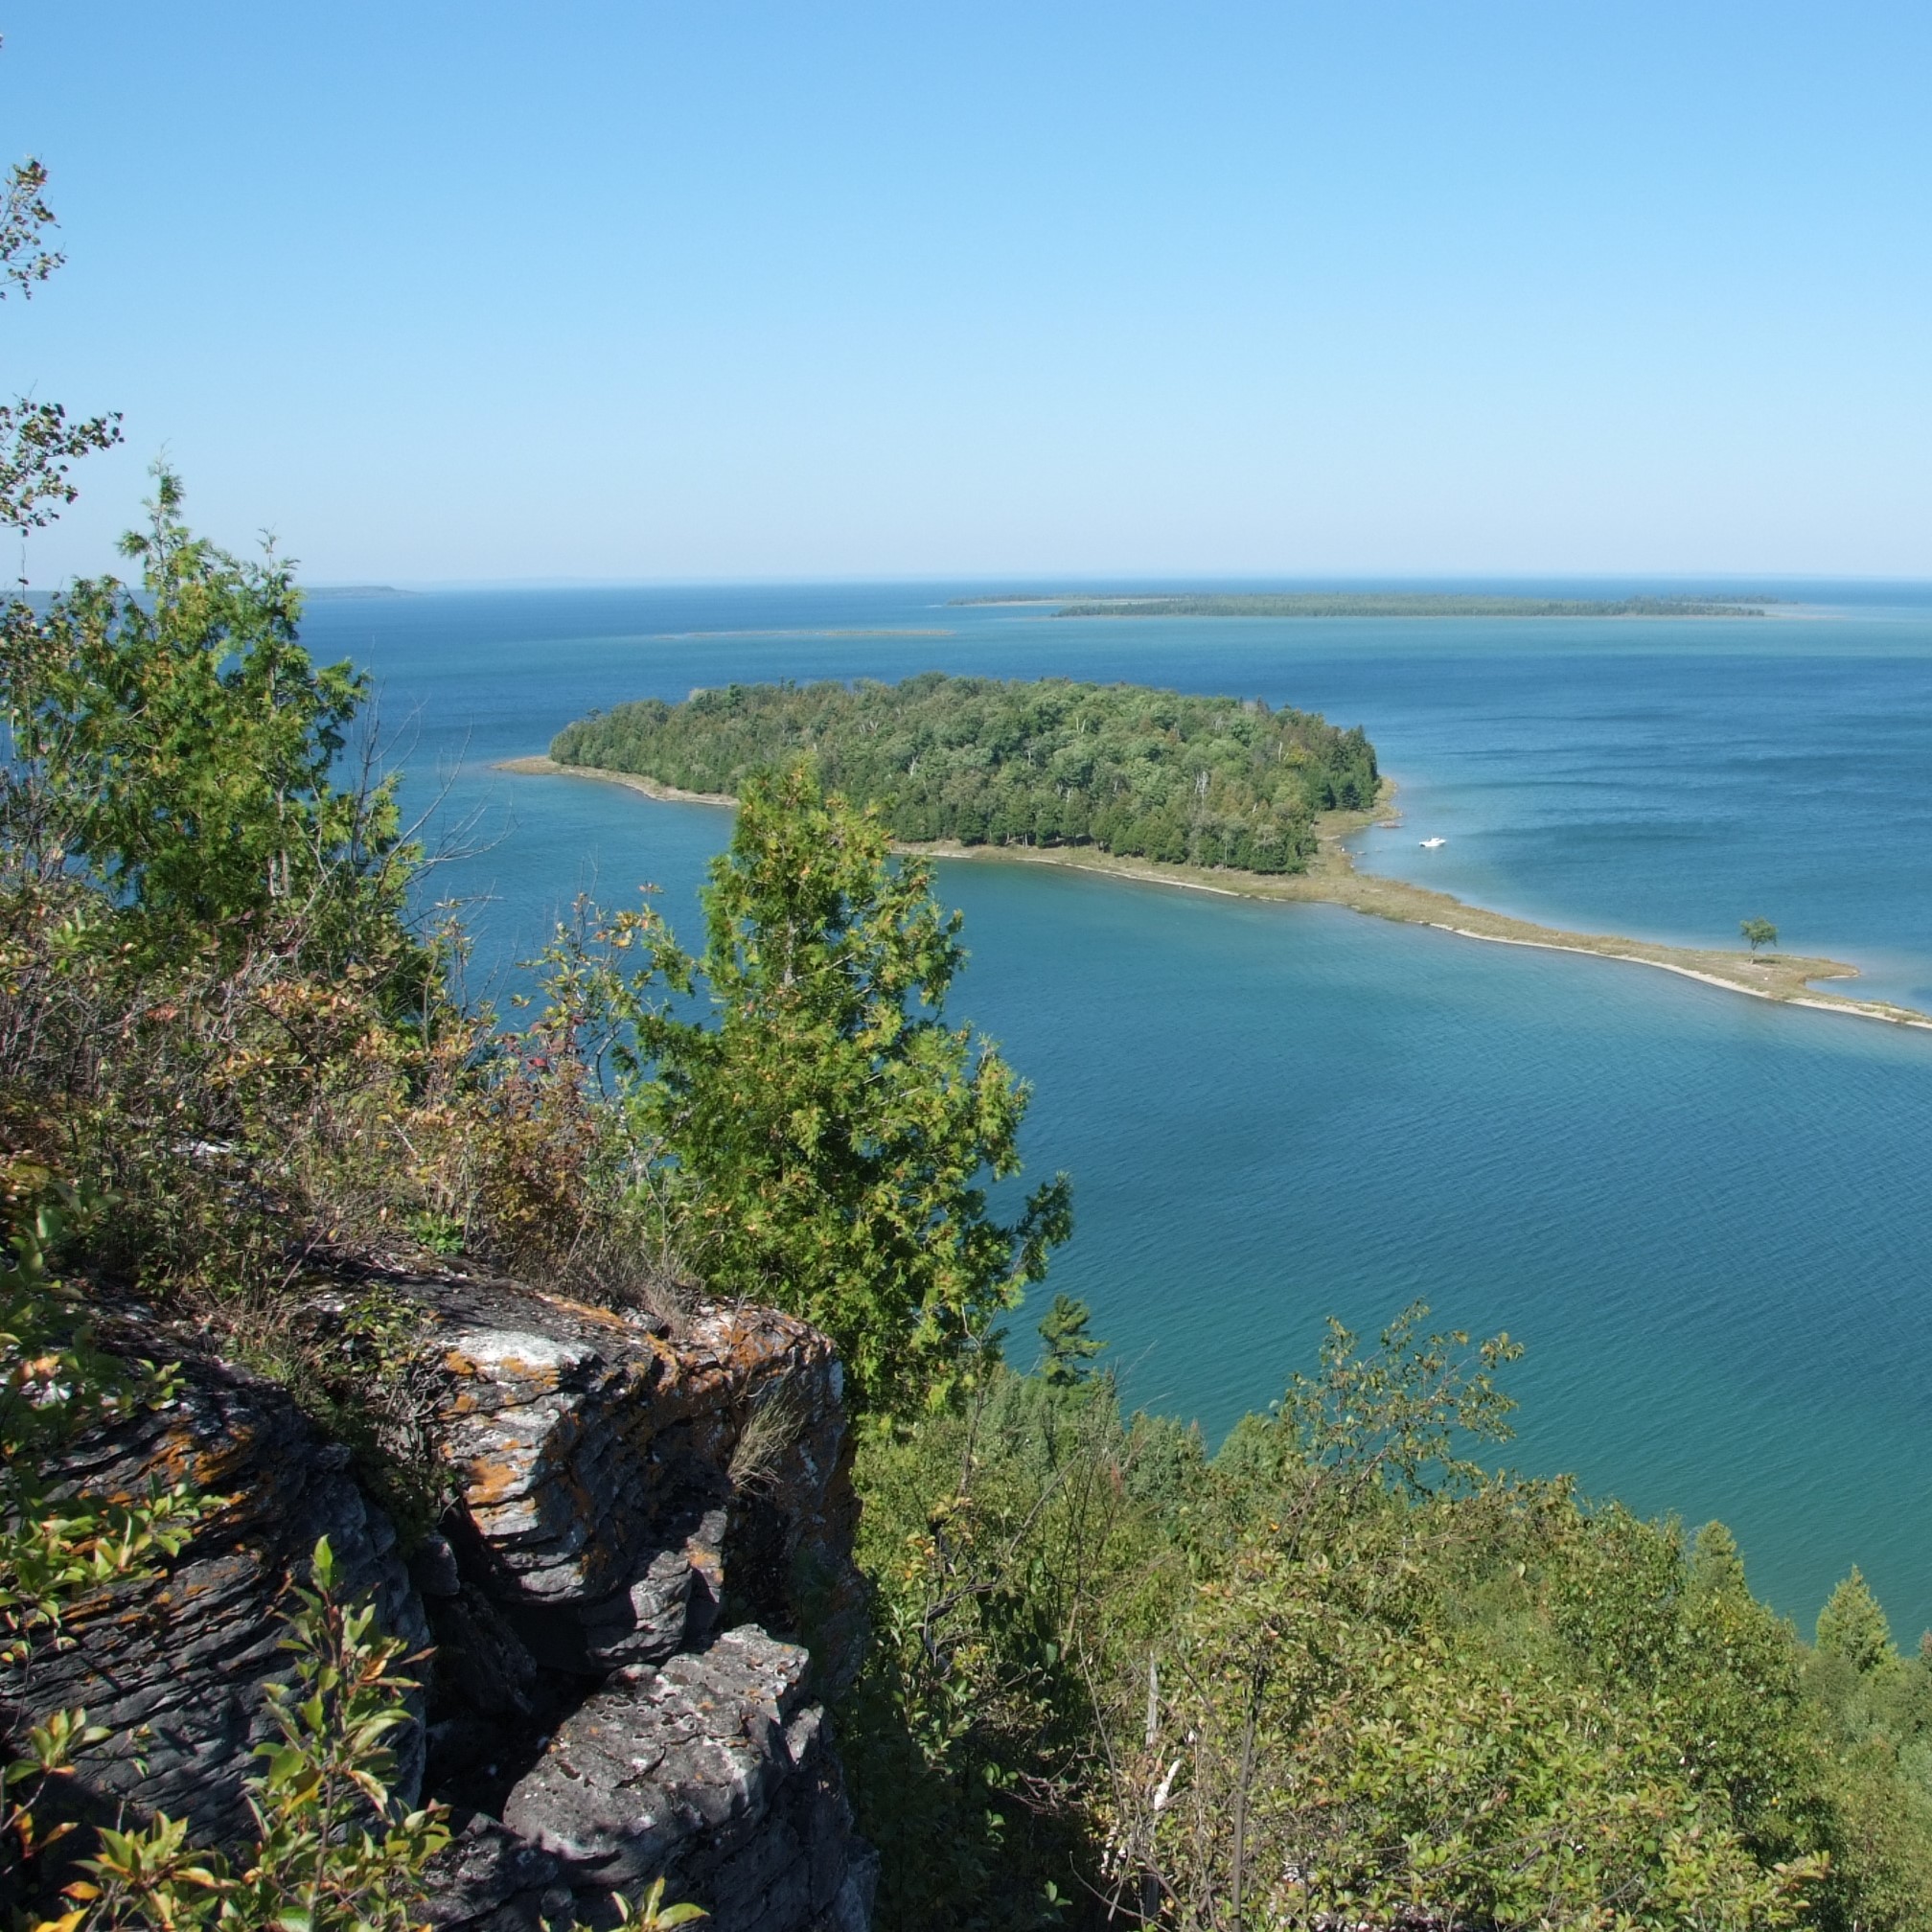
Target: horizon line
1174,583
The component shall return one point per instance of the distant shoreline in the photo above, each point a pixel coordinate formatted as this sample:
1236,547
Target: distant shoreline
1333,879
688,636
1379,604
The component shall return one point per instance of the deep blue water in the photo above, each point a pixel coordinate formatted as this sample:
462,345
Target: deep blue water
1707,1218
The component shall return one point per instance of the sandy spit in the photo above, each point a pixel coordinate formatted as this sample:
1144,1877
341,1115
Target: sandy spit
1333,879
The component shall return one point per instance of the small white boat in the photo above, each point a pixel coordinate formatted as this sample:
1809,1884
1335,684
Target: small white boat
1430,844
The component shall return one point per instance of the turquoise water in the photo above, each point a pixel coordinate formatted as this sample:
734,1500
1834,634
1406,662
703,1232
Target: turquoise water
1707,1217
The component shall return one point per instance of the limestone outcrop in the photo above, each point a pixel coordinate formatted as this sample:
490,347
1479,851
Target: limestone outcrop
714,1767
173,1667
636,1604
614,1483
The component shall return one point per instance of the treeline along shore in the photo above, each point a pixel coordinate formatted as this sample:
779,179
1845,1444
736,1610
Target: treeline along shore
1211,795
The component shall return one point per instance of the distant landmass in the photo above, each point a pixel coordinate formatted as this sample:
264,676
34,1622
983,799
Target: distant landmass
328,593
985,761
1381,604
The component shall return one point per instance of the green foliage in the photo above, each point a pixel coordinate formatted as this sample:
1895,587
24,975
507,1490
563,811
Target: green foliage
1393,1419
832,1134
652,1914
38,446
55,1385
178,747
1852,1626
1067,1349
1010,1541
1341,1735
1870,1715
1342,1675
59,1548
1202,781
1758,933
37,443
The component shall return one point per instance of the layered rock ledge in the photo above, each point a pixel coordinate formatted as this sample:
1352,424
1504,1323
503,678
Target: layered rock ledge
632,1610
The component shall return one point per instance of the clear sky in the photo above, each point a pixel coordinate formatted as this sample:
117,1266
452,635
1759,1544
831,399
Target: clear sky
615,289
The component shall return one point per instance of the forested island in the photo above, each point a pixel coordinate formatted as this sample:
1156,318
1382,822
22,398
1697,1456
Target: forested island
1211,782
1216,795
1380,603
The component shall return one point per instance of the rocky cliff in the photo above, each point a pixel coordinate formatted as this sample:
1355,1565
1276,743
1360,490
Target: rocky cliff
636,1604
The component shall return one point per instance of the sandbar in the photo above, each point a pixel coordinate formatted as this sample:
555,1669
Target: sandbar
1332,879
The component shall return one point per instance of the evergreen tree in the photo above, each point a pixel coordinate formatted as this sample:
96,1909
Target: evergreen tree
1852,1626
834,1134
1066,1347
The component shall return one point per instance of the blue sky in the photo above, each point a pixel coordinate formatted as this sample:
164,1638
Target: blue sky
631,290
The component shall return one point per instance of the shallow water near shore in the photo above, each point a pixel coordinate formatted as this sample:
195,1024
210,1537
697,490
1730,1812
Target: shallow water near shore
1707,1217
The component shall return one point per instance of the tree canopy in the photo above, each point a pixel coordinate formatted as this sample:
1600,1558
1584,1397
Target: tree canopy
1145,774
833,1136
1853,1625
177,744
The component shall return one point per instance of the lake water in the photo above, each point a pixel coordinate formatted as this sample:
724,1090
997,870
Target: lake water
1708,1218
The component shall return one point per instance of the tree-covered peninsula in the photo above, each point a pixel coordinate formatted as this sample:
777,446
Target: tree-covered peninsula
1139,772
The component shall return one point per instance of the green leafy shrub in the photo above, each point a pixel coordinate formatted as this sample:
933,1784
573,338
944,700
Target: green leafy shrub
180,749
335,1850
57,1547
1011,1547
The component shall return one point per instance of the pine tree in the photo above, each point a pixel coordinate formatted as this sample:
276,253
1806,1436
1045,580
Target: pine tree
1852,1626
837,1135
1066,1347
